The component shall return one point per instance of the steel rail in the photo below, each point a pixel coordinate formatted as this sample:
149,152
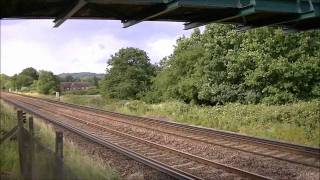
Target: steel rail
180,153
259,152
176,173
294,148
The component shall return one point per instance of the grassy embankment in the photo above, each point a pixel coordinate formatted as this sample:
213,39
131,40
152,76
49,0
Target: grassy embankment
296,123
9,159
80,165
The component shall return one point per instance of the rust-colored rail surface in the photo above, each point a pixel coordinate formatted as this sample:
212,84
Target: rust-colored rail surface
121,132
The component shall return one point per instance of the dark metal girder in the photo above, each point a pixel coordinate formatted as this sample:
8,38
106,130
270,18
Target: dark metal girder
278,21
312,12
195,3
274,6
175,4
128,2
196,12
69,13
242,13
170,7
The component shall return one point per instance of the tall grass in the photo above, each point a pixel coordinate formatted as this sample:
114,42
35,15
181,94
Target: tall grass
9,156
296,122
79,163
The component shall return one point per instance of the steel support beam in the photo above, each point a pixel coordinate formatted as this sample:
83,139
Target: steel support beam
128,2
242,13
169,8
274,6
69,13
310,12
189,3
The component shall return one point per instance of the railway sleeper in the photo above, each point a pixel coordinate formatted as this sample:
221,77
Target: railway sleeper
183,165
158,156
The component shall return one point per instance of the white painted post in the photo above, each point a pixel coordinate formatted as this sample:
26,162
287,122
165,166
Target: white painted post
58,96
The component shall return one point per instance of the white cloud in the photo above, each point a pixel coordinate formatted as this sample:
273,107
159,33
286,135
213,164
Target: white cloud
75,56
160,48
18,55
78,45
86,54
41,47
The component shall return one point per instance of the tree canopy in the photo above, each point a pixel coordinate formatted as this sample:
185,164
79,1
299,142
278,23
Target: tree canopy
27,77
129,74
4,81
216,66
222,65
48,83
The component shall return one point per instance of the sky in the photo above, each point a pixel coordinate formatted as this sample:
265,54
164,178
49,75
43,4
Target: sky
80,45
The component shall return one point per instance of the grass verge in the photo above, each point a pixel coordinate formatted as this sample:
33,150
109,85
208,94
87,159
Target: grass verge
80,164
295,123
9,155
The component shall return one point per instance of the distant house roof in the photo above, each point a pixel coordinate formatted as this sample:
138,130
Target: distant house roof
73,85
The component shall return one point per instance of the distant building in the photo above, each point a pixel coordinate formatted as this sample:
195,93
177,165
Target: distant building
71,86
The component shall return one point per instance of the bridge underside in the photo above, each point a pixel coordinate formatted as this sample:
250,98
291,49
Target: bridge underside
246,14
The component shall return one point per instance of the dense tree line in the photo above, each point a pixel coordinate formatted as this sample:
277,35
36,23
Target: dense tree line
44,82
217,66
222,65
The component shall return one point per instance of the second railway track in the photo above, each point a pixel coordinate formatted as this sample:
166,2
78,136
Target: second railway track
278,150
184,165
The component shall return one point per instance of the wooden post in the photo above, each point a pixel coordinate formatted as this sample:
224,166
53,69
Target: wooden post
59,144
31,125
20,141
19,117
24,147
59,156
31,149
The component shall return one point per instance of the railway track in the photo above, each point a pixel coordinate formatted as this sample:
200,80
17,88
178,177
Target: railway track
179,164
283,151
305,155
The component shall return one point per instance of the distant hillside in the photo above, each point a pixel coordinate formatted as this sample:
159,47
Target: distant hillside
81,75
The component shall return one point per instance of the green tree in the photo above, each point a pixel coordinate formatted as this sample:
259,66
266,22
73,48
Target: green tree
222,65
69,78
95,81
48,83
4,82
13,82
129,74
26,77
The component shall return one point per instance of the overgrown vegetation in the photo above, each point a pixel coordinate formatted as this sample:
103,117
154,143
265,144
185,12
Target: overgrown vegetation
30,79
294,122
221,65
218,66
9,161
77,161
48,83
